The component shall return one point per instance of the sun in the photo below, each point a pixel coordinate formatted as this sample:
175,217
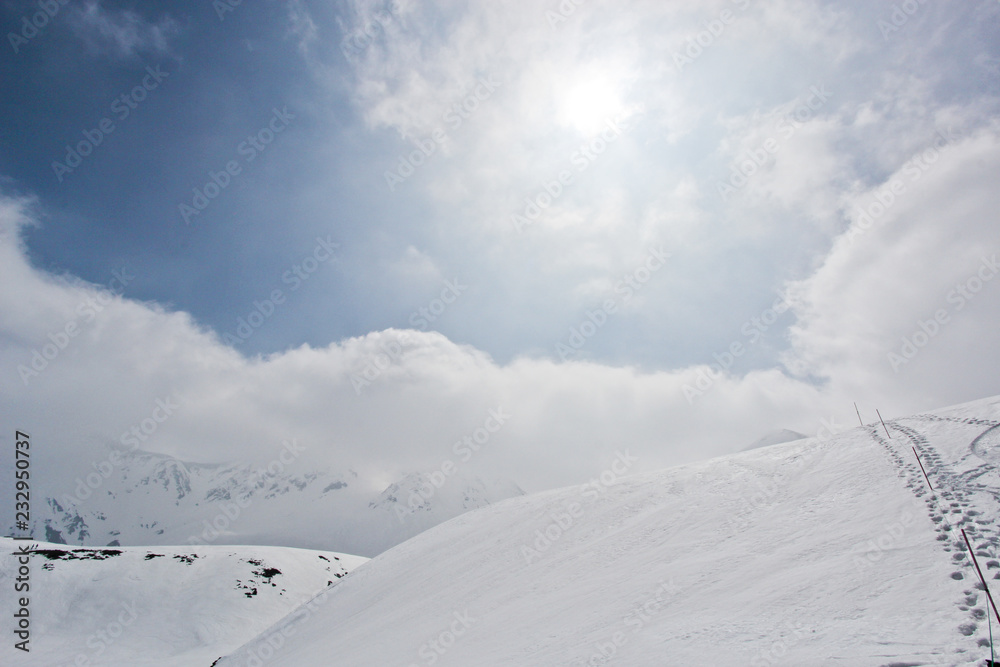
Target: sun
588,104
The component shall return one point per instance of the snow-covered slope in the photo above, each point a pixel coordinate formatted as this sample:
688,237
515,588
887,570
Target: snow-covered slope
155,606
142,498
817,552
775,438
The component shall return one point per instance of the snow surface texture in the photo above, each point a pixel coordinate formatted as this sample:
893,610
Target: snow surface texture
817,552
156,606
775,438
141,498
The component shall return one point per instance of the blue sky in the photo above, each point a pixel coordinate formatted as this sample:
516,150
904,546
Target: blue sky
558,153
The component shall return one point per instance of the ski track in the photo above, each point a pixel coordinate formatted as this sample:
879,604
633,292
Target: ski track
966,495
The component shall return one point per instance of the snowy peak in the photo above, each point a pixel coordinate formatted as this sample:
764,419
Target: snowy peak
775,438
171,475
436,493
178,479
138,497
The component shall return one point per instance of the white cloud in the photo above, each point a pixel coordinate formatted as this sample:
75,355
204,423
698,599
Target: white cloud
415,265
301,26
854,301
567,419
123,33
896,266
557,80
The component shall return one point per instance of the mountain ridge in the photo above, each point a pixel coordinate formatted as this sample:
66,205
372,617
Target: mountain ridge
821,551
137,497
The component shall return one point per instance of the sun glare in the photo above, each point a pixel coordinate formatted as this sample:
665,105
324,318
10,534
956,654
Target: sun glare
589,104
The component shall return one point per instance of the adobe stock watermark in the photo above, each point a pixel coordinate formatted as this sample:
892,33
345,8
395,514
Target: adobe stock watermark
627,287
392,351
753,329
898,17
425,315
296,276
958,297
22,584
434,648
565,10
581,159
637,618
249,149
763,493
32,26
86,312
122,107
464,449
260,653
562,521
455,116
104,638
138,434
887,194
713,29
794,633
374,366
223,7
233,508
753,159
361,38
759,498
873,551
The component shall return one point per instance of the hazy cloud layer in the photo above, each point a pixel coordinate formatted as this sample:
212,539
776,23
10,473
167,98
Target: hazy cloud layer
568,211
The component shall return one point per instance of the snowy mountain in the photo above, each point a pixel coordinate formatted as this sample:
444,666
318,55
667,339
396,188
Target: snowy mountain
817,552
141,498
775,438
156,606
416,496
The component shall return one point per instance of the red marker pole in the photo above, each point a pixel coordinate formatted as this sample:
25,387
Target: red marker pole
883,423
920,463
981,578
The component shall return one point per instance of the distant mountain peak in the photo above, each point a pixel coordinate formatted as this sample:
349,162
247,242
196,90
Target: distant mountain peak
427,492
139,497
775,438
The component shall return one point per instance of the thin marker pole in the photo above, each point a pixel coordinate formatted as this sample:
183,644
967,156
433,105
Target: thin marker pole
922,469
981,578
883,423
859,413
993,659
